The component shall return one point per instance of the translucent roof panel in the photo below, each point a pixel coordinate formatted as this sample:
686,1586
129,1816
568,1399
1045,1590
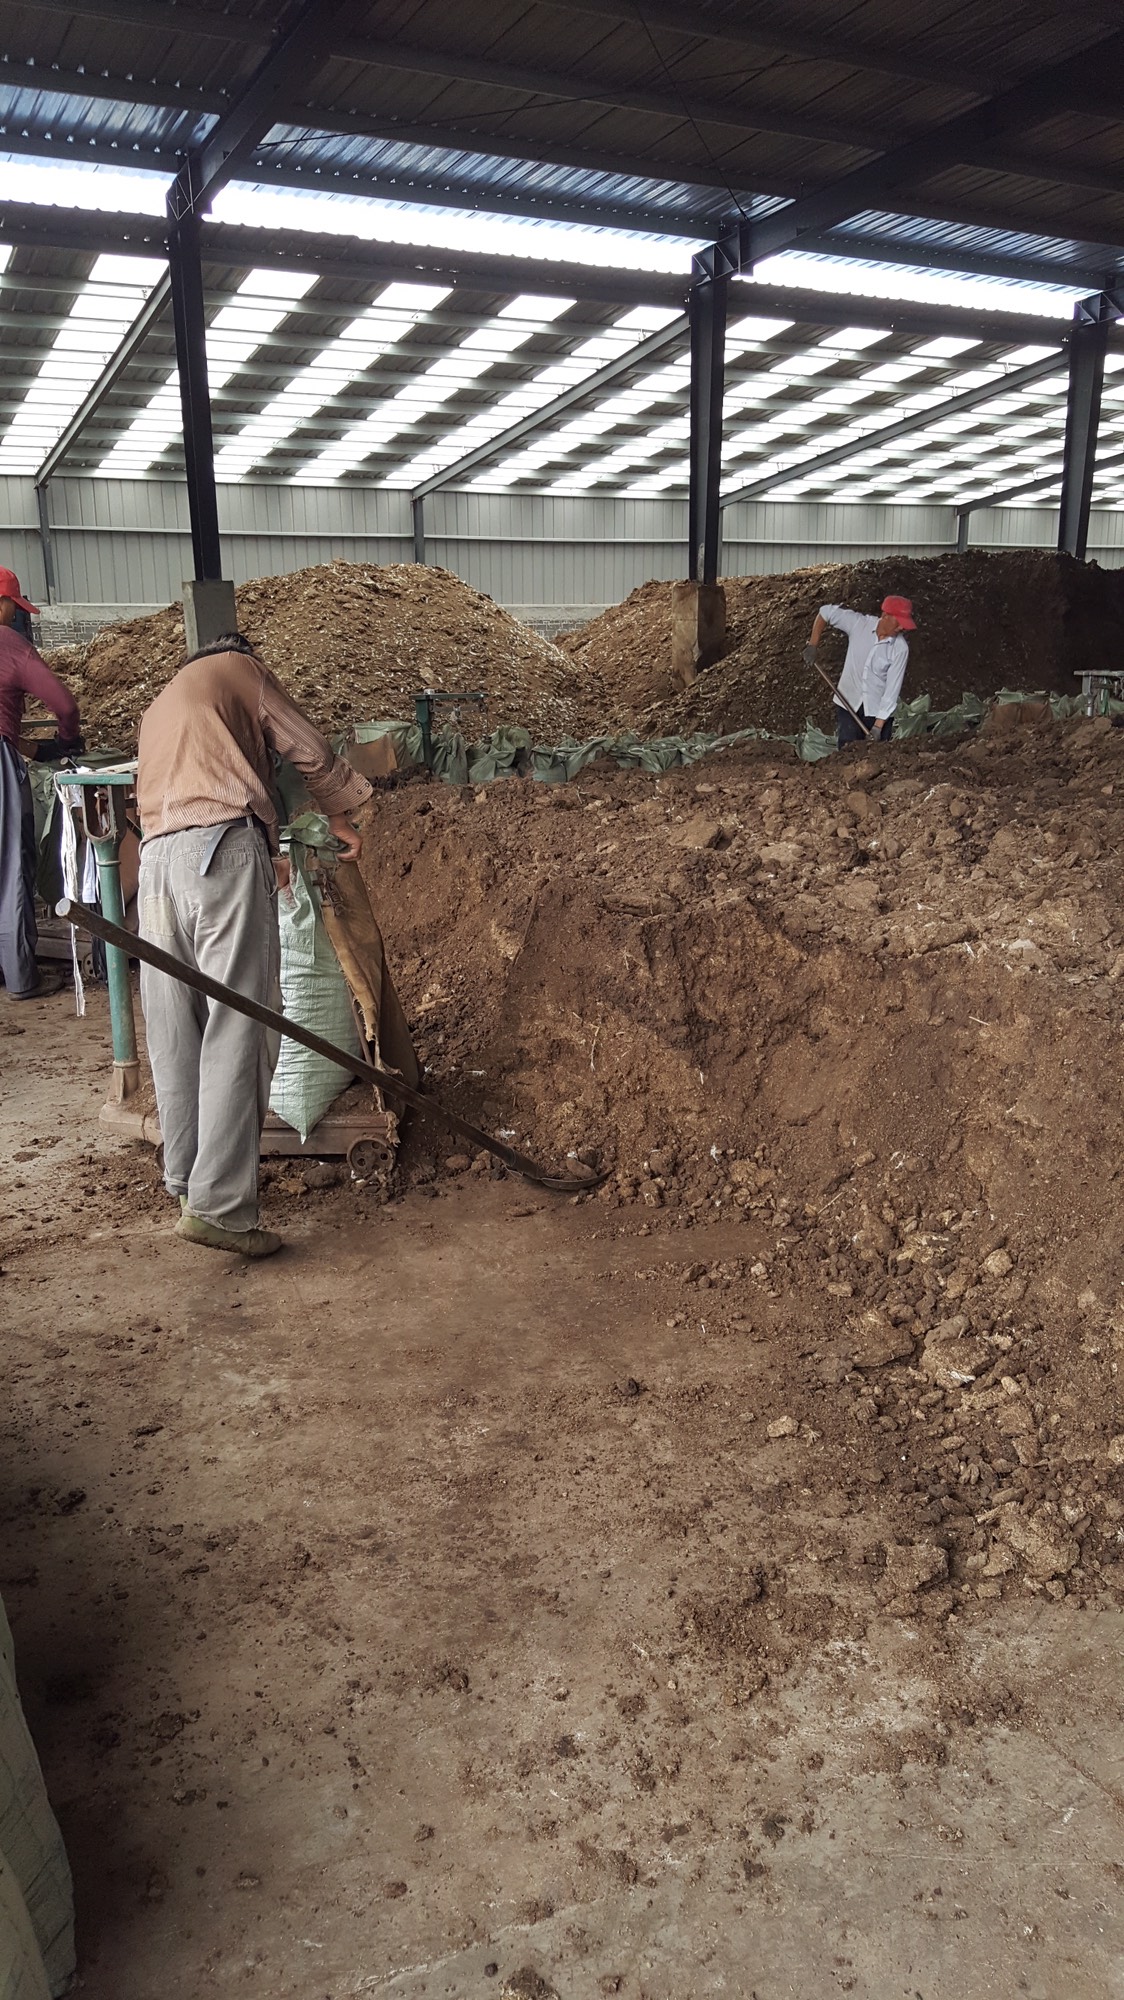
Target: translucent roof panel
333,377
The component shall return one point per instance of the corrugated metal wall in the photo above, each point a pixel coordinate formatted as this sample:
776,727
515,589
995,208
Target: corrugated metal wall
126,542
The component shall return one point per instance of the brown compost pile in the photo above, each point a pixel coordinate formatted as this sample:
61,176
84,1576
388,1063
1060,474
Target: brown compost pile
862,1012
351,642
1019,619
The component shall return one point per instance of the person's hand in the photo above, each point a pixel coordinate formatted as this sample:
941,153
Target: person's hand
282,870
351,843
811,654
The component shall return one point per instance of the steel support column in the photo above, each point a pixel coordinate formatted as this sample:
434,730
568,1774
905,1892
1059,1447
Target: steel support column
278,82
706,312
1088,344
417,509
189,318
46,550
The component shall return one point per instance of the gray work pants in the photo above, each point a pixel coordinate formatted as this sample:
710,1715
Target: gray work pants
18,934
212,1067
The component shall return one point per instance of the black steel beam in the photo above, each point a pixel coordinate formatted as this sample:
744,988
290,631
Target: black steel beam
189,317
392,184
959,80
1055,169
707,307
150,314
266,99
299,52
1108,239
1087,348
941,257
209,24
449,191
713,172
356,260
162,19
920,420
706,314
917,159
100,87
417,513
570,87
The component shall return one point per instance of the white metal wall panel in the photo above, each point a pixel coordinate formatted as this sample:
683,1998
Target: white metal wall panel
1037,527
19,536
127,542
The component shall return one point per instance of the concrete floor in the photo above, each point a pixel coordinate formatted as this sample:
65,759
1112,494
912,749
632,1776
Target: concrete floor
345,1628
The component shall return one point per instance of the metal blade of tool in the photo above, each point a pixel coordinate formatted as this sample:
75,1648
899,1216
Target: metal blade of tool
841,698
367,1072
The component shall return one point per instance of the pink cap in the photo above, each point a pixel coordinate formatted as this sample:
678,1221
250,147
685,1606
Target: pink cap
900,608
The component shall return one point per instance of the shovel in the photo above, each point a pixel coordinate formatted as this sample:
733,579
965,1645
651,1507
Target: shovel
367,1072
840,698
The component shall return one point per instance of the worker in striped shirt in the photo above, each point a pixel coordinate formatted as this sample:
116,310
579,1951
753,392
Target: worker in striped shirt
209,877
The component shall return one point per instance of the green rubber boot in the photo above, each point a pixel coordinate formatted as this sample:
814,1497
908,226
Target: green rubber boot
243,1242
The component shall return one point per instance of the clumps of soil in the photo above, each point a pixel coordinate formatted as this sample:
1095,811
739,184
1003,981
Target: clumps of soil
856,1017
352,642
1018,619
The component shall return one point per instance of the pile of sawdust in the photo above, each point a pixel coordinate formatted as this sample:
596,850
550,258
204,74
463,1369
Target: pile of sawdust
1016,619
351,642
858,1010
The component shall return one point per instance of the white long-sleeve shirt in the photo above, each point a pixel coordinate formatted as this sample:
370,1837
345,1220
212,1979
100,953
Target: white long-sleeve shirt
874,669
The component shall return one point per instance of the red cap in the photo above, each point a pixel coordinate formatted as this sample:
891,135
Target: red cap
900,608
10,587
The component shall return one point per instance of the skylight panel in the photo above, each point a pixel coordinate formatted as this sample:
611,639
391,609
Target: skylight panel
523,399
852,339
574,482
648,319
974,378
1021,357
96,324
895,371
803,364
839,395
757,389
650,487
478,352
945,348
753,326
263,301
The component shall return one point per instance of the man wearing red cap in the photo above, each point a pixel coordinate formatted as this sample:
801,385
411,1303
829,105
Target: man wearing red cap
873,672
23,673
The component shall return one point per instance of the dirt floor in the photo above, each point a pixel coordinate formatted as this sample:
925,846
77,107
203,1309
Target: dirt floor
710,1586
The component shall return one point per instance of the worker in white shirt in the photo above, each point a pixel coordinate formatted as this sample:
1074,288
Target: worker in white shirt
873,672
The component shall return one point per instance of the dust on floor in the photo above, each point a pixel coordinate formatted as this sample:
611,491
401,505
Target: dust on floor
431,1612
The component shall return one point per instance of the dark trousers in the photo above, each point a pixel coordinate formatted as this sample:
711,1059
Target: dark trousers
847,729
18,935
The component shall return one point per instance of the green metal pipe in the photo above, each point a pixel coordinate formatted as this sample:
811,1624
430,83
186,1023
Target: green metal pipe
107,852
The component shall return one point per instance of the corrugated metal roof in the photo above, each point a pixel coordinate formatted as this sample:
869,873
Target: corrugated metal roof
665,118
683,111
298,394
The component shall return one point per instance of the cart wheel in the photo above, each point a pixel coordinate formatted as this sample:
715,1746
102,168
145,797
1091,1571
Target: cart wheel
366,1158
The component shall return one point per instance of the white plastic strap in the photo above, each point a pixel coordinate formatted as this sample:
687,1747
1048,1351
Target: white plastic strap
71,883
